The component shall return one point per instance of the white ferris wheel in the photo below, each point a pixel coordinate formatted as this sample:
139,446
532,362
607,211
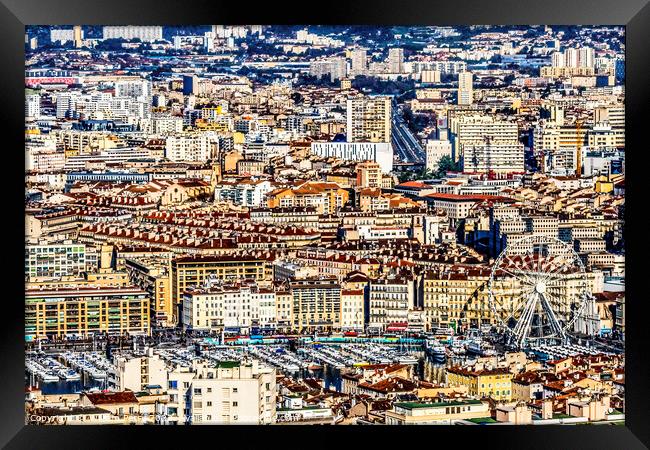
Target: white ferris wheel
537,289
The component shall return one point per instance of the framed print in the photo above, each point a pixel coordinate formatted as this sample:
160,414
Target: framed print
241,221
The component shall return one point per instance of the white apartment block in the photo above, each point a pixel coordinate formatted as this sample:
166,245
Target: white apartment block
396,60
218,307
465,88
359,60
166,125
136,372
379,152
242,193
334,68
435,150
479,129
65,102
140,90
144,33
444,67
32,106
352,310
232,393
190,147
44,161
390,301
501,157
61,35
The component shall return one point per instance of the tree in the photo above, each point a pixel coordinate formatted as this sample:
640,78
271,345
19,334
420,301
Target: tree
446,164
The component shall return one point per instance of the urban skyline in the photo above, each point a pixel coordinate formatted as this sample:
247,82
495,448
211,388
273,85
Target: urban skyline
325,224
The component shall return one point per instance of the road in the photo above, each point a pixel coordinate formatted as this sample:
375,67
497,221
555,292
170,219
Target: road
405,145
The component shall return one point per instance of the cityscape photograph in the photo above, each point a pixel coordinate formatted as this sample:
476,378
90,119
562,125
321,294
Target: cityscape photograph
324,225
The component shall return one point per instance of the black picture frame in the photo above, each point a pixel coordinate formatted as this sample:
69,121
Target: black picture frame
634,14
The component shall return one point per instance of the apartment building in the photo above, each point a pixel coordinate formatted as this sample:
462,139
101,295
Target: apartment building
135,372
230,393
316,304
192,271
152,274
368,119
379,152
83,311
438,413
219,306
352,310
390,300
55,260
494,383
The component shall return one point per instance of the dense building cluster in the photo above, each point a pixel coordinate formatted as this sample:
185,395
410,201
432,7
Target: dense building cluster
332,181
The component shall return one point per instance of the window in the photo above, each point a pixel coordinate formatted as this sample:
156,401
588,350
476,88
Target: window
234,389
209,403
234,403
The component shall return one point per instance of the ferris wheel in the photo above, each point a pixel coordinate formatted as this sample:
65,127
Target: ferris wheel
537,289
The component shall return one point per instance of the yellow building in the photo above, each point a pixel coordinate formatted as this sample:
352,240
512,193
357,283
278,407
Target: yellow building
459,298
494,383
153,275
369,175
230,161
85,311
327,198
316,304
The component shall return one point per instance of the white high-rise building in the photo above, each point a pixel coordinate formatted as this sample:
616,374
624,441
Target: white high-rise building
208,42
61,35
32,106
586,57
359,59
557,59
435,150
137,89
65,102
233,392
368,119
498,157
571,57
476,129
146,33
396,60
465,88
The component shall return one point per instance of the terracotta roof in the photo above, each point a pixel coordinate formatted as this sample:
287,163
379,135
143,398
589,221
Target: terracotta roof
105,398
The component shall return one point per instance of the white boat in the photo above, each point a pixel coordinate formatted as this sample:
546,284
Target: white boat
69,375
434,348
49,377
480,348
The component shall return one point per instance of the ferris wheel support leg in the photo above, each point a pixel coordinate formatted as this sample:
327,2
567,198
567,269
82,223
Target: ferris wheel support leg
523,326
555,325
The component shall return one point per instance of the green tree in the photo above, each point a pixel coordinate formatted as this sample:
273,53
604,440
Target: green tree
446,164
